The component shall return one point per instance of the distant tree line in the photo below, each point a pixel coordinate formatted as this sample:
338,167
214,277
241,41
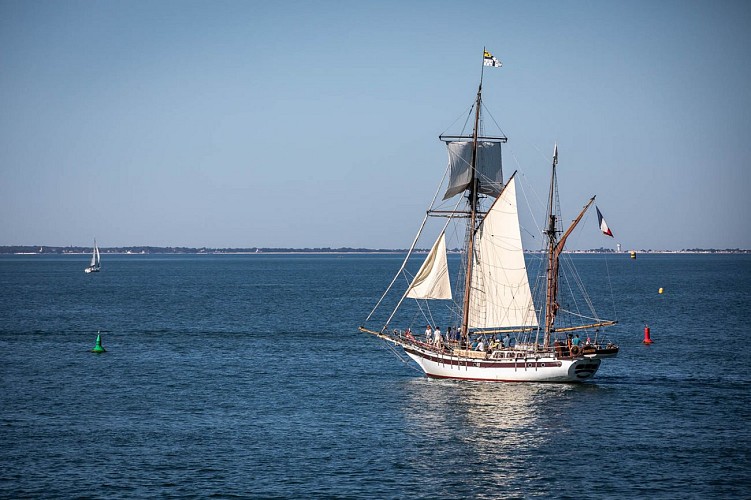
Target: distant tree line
41,249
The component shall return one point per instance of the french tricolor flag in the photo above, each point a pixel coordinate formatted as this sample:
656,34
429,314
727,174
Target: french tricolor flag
603,225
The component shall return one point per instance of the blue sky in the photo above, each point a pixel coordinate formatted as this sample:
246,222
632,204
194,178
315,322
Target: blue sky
305,124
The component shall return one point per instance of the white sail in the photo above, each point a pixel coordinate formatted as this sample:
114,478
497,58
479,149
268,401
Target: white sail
95,256
432,280
489,171
501,296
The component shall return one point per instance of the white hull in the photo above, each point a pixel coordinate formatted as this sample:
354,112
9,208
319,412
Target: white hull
91,270
531,368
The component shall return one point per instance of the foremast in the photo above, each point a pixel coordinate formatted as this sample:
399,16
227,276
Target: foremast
554,249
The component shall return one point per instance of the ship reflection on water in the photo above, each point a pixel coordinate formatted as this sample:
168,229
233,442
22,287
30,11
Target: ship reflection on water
494,432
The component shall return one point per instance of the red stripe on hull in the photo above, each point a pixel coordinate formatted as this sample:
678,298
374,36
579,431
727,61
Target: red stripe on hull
454,361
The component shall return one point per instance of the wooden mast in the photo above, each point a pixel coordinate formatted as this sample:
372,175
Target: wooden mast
555,247
473,197
552,269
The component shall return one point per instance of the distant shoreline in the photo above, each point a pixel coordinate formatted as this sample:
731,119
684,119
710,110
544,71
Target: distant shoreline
149,250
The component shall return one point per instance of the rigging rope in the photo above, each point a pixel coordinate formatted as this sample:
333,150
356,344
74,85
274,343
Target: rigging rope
391,347
411,248
487,112
610,285
466,120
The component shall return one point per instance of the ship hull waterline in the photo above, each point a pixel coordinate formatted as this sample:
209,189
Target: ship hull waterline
518,366
521,369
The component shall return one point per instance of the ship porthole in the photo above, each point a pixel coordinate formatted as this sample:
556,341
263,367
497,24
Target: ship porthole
542,365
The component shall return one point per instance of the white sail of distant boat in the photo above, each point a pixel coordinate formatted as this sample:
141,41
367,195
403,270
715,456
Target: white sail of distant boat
495,296
95,264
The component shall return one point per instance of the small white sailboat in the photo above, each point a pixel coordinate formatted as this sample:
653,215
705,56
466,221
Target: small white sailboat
498,332
95,264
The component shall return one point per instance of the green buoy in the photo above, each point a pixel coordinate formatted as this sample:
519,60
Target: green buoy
98,347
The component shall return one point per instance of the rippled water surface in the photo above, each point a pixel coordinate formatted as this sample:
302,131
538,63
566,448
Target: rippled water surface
245,376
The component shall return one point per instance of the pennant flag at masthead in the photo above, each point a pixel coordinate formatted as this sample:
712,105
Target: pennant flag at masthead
489,60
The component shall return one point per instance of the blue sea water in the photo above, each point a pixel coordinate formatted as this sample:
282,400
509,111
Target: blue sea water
245,376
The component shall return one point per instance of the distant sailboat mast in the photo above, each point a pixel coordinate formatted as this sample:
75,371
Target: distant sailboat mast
95,256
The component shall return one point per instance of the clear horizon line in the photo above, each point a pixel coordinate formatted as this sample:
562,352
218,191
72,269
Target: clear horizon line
342,249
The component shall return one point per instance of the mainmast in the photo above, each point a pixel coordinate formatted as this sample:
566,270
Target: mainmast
473,188
472,196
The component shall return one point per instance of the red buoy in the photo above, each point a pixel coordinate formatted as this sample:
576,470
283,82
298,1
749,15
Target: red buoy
646,340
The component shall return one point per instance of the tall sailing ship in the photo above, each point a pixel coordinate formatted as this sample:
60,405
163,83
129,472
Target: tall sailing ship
495,331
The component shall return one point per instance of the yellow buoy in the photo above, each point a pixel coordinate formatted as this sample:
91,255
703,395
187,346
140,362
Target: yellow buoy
659,291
